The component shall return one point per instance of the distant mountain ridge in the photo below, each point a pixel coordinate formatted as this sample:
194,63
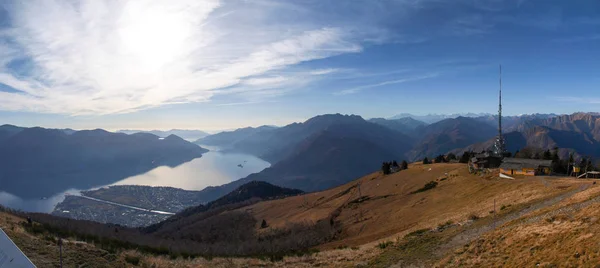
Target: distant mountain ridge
509,123
433,118
39,162
406,125
227,140
486,117
186,134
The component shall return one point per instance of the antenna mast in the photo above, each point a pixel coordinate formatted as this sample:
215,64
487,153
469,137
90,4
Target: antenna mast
499,146
500,105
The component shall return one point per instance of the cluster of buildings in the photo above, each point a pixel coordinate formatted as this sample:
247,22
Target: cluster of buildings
511,166
507,165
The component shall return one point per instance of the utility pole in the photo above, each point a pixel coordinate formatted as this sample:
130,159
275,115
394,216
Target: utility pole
359,192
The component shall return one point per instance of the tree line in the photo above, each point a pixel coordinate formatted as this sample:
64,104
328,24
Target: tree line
440,159
390,167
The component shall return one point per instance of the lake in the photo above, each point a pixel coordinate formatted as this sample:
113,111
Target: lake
212,169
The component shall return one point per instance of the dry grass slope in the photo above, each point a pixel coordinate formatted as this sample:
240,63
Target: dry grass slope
384,207
540,220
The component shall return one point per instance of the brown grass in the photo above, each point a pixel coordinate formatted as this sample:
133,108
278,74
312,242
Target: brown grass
390,210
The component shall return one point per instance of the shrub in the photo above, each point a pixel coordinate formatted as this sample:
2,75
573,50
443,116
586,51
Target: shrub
50,238
473,217
466,156
404,165
386,168
430,185
383,245
135,260
445,225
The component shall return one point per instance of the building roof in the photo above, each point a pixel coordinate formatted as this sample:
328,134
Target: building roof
483,158
520,163
511,166
482,155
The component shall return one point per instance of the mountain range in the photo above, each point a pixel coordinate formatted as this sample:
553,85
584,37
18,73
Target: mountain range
320,153
329,150
54,161
578,133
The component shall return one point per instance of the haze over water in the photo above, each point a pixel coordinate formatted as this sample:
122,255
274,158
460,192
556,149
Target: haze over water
212,169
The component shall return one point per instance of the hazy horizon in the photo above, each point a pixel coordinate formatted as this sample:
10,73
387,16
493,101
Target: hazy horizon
214,131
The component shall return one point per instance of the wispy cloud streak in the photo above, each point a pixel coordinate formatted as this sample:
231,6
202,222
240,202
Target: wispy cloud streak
384,83
578,100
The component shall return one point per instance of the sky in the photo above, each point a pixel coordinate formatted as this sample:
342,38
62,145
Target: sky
218,64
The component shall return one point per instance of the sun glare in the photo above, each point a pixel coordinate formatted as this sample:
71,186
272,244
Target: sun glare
154,37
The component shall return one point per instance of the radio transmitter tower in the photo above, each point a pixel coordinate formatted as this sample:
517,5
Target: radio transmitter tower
499,145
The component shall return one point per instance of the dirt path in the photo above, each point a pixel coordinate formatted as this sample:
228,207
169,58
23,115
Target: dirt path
566,209
472,233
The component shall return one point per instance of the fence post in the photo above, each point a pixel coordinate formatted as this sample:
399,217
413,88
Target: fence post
494,213
60,243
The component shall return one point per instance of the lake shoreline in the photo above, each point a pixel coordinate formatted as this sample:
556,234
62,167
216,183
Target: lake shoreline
213,168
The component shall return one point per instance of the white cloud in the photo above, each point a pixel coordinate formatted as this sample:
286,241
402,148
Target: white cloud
265,81
384,83
324,71
103,57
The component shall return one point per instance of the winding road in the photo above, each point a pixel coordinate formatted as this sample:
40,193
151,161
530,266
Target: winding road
127,206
